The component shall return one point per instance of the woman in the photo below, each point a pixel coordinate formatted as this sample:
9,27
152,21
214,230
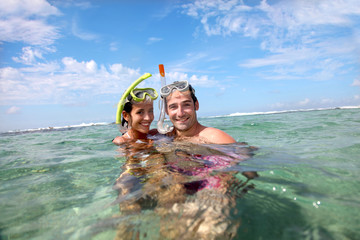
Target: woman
136,108
135,114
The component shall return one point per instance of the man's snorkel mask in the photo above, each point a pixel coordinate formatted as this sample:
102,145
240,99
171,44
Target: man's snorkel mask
137,94
181,86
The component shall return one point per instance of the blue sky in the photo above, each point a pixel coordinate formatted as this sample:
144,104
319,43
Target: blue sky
67,62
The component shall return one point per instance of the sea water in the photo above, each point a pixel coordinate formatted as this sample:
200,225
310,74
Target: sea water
58,183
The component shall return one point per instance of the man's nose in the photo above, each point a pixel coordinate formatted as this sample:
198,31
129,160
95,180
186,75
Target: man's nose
180,111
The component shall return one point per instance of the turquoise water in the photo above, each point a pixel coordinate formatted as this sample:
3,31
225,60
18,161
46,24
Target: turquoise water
59,183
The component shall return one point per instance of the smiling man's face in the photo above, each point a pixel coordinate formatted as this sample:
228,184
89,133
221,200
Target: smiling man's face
181,110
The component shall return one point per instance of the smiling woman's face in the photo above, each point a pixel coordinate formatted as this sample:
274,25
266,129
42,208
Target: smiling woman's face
141,116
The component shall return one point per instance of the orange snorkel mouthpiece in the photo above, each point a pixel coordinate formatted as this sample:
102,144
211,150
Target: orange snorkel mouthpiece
162,70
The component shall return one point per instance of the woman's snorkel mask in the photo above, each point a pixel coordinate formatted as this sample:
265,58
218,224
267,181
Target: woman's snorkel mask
137,94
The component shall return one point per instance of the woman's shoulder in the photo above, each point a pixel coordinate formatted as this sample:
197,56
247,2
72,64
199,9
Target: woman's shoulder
118,140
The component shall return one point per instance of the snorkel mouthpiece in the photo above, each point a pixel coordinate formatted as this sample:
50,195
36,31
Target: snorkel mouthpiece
122,101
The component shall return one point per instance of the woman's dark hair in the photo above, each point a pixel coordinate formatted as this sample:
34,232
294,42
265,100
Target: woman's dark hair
127,108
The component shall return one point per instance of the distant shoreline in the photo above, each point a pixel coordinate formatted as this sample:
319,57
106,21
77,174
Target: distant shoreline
284,111
61,128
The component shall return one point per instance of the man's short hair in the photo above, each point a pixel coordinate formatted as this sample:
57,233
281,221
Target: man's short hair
192,93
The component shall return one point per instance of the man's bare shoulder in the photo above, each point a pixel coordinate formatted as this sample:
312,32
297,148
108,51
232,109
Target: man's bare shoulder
217,136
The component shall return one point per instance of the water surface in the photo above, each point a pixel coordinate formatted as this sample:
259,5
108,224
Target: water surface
59,183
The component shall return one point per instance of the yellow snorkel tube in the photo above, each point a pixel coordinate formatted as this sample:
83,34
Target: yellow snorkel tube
122,101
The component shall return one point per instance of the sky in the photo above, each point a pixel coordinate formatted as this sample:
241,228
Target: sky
67,62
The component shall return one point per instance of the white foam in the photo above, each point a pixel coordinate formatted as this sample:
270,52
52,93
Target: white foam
283,111
228,115
59,127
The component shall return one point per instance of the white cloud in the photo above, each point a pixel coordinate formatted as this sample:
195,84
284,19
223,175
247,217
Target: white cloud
224,17
63,82
152,40
25,21
314,104
27,8
356,83
30,55
278,105
80,33
70,81
176,71
294,33
304,102
187,64
118,69
113,46
203,81
13,110
82,4
326,101
286,57
73,66
33,32
309,12
194,80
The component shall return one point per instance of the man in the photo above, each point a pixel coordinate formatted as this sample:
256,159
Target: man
181,105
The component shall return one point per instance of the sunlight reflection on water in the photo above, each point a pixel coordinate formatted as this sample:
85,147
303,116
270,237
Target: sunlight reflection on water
189,190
